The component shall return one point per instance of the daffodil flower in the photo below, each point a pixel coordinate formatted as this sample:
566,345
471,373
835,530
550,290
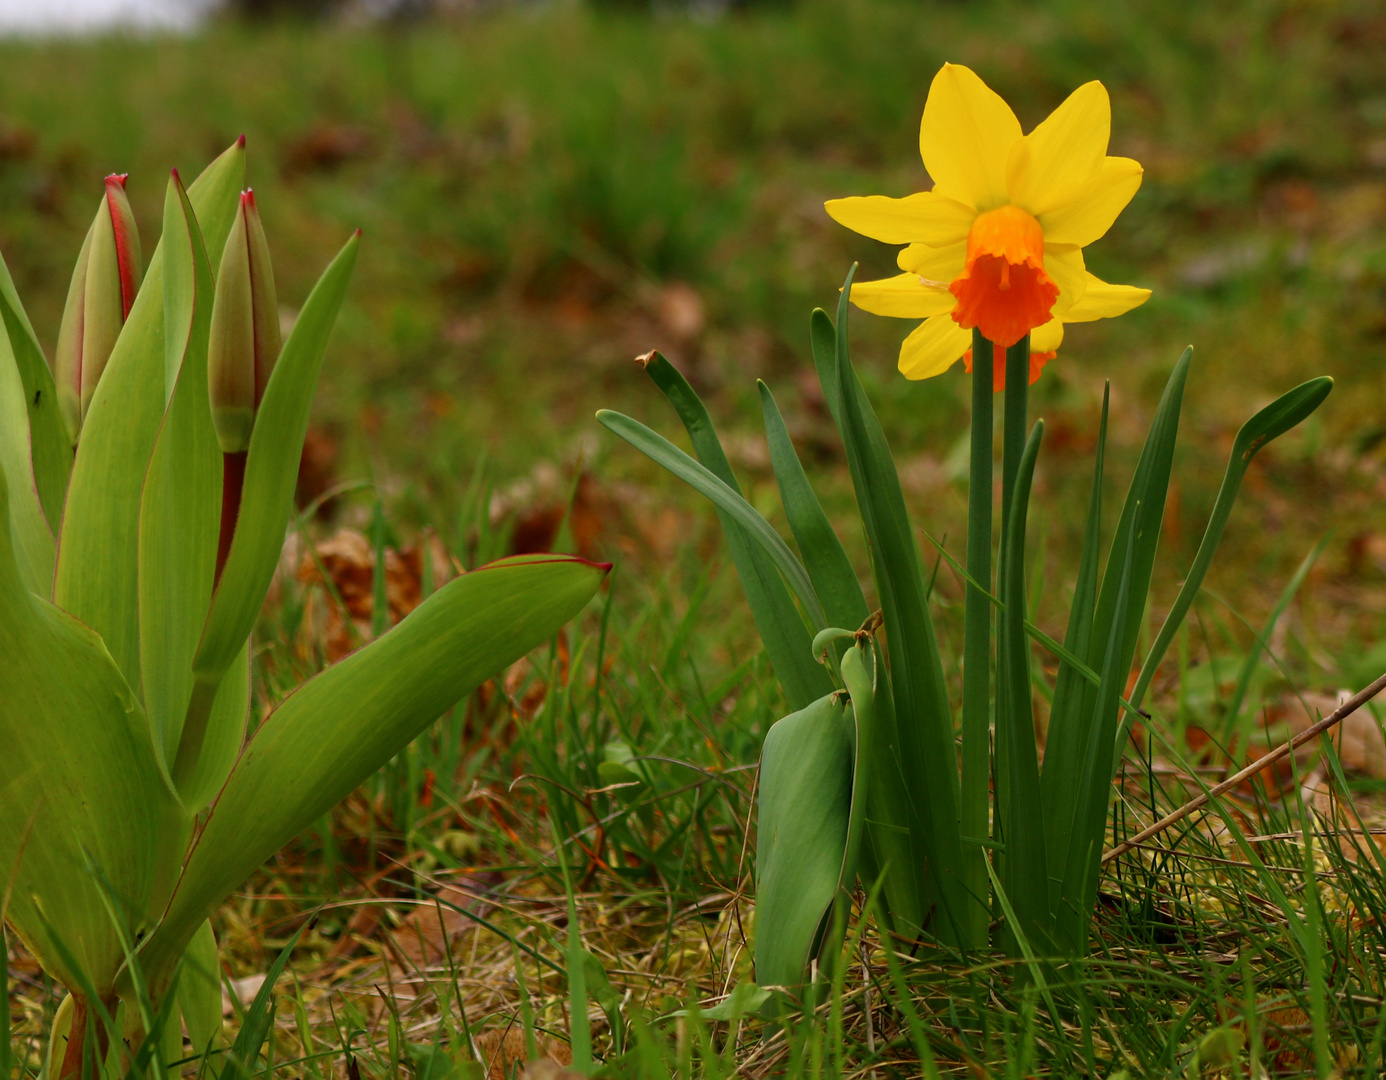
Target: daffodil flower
997,245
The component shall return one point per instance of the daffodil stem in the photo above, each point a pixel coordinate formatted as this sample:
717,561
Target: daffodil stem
1015,418
976,724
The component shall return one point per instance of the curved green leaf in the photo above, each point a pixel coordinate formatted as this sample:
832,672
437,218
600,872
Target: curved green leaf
30,536
52,452
199,990
801,835
84,812
1282,414
180,509
663,452
834,580
341,726
779,623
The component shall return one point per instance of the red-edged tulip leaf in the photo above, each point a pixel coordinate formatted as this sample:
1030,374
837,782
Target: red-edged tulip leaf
341,726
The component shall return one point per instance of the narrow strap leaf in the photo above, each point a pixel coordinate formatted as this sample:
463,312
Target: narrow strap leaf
924,724
834,580
781,627
1284,413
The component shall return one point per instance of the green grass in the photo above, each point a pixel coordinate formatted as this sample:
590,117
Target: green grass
534,186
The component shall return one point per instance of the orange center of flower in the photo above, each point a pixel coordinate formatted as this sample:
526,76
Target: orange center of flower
1003,289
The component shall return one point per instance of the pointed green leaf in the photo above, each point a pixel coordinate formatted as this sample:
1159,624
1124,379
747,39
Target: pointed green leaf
1282,414
226,726
743,514
341,726
1024,868
180,509
52,452
98,561
801,835
271,470
924,723
199,990
83,798
834,580
30,537
1062,753
781,628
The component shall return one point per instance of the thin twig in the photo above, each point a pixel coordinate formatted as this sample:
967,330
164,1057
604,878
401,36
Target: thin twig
1344,710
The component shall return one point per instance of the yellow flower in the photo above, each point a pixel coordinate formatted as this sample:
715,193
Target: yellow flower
998,243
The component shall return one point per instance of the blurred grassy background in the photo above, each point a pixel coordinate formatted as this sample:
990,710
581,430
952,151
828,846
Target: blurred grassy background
547,190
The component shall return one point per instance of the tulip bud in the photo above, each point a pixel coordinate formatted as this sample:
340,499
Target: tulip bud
103,288
245,338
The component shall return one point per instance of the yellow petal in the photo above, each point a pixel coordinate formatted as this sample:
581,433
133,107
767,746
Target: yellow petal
935,346
1065,265
926,216
1047,338
904,297
1060,161
941,264
1091,216
966,136
1102,300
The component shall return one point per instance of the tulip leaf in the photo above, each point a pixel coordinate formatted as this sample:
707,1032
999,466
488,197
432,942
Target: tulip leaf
98,551
76,744
801,835
180,508
271,470
226,726
199,990
335,730
780,625
30,536
52,452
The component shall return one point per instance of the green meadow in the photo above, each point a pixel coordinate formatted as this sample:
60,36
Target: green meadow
548,190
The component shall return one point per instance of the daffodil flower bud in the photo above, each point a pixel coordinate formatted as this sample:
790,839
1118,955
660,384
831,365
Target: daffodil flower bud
245,338
103,288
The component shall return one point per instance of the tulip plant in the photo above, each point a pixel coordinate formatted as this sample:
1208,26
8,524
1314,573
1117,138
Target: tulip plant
875,777
145,488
